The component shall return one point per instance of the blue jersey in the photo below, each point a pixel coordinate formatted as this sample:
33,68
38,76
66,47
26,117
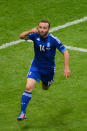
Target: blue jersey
45,50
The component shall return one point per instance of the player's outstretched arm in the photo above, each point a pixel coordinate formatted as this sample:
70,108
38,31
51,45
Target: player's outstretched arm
66,64
24,34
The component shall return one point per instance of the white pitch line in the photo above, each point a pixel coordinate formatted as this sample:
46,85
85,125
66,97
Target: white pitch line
75,48
52,30
68,24
12,43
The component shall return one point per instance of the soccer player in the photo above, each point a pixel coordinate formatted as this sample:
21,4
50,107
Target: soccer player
43,65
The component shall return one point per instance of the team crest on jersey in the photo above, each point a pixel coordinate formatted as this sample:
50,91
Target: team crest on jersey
48,46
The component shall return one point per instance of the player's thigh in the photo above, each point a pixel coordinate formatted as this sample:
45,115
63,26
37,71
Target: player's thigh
30,84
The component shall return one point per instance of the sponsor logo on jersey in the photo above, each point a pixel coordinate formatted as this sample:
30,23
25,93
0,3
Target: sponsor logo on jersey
38,39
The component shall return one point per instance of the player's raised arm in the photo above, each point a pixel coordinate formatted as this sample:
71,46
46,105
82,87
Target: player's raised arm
66,64
24,34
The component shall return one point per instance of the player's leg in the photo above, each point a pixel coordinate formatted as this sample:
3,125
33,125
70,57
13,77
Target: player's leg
26,97
47,79
45,87
30,84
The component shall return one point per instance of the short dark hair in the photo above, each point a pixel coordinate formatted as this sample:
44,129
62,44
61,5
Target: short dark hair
45,21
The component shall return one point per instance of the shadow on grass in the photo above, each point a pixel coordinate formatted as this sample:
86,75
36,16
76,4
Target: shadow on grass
55,121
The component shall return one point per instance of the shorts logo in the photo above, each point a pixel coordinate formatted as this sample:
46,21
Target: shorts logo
50,82
30,73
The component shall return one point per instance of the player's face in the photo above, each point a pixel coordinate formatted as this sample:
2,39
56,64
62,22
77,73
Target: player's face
43,29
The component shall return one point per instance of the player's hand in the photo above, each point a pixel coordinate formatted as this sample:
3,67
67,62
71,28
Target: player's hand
66,72
34,30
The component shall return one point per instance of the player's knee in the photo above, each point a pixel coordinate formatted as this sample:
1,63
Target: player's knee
28,88
45,87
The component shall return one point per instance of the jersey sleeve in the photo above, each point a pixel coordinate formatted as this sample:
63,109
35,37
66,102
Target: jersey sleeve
59,45
31,36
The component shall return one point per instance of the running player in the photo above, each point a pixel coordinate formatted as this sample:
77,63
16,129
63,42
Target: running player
43,64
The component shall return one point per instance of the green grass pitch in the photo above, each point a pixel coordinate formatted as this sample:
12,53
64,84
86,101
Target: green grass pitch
64,106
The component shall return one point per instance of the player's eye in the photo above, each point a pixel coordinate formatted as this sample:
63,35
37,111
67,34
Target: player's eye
45,27
40,27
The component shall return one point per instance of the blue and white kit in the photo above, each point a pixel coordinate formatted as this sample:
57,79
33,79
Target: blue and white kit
43,64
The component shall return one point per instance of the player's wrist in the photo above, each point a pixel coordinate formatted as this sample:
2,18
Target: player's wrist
66,67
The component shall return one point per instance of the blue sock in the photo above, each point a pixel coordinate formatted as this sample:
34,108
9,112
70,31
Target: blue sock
26,97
